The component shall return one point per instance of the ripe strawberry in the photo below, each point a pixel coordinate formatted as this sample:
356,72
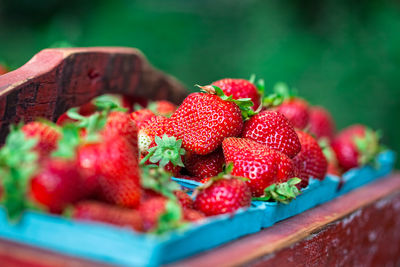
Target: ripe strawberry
57,184
296,110
192,215
272,129
240,88
140,117
205,119
355,146
160,214
184,199
262,165
292,107
101,212
310,162
156,126
162,108
321,123
46,134
113,164
222,195
202,166
120,124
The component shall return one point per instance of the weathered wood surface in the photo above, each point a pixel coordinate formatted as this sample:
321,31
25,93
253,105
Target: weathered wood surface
55,80
358,229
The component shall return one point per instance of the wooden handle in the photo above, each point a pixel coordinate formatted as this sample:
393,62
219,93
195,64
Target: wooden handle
55,80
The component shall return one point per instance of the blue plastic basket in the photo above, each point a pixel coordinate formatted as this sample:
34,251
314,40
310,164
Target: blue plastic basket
119,246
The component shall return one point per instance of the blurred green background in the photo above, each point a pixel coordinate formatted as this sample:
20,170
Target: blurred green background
344,55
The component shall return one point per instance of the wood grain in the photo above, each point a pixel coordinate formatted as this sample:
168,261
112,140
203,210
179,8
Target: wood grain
55,80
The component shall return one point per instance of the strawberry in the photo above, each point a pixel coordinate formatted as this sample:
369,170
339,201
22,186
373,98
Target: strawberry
156,126
264,167
57,184
160,214
222,195
355,146
47,136
292,107
120,124
184,199
240,88
202,166
272,129
296,110
203,120
333,165
140,117
101,212
112,163
321,123
162,108
311,161
192,215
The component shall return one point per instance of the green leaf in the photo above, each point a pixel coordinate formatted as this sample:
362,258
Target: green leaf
171,219
66,146
157,179
167,150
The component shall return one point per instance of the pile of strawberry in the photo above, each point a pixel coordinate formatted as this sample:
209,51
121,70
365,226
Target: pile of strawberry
112,161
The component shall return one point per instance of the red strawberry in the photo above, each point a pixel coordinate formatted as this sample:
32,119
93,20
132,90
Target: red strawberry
47,137
162,108
113,163
222,195
153,213
184,199
272,129
57,184
355,146
239,88
296,110
321,123
192,215
101,212
310,162
205,119
202,166
156,126
120,124
141,117
262,165
3,69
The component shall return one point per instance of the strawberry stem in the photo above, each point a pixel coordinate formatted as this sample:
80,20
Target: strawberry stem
281,92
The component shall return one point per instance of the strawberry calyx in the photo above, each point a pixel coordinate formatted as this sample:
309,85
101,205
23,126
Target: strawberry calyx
157,179
167,150
245,104
281,92
171,219
18,163
108,103
92,124
368,146
66,145
259,84
282,192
